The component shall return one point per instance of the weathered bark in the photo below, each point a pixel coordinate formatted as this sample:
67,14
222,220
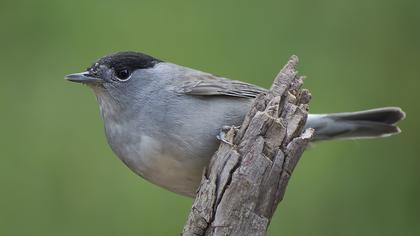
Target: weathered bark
246,179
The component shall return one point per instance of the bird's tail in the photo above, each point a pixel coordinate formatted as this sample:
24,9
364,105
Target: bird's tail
380,122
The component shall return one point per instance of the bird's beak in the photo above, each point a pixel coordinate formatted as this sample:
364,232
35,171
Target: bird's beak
83,77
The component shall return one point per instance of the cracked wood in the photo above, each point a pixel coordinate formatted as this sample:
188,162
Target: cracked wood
244,183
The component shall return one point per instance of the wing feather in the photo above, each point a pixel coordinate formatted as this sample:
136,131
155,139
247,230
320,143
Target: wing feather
210,85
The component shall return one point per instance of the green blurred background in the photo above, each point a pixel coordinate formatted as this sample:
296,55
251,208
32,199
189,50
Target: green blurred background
59,177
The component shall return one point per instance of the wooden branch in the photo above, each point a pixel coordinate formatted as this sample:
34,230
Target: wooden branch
245,181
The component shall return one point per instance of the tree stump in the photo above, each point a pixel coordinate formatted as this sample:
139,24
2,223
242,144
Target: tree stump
248,175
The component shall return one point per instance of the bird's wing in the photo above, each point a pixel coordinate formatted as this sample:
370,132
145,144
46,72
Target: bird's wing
209,85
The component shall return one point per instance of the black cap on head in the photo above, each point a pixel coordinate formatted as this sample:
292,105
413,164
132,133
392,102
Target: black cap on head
127,60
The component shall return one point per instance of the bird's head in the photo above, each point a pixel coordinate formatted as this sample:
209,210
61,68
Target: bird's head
114,70
117,79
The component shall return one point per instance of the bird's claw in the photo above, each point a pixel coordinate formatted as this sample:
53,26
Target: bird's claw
221,136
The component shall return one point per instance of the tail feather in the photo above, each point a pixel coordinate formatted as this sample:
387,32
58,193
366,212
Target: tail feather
388,115
363,124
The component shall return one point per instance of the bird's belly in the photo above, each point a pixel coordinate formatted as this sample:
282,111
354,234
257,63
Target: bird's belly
150,159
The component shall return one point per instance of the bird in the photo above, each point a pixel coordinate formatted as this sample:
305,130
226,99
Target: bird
162,119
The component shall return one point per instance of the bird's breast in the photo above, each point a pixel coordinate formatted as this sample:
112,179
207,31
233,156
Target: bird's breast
155,160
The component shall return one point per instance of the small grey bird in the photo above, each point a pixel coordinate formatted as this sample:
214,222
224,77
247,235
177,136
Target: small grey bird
162,119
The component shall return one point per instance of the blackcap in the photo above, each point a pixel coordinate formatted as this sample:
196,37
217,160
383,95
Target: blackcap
162,119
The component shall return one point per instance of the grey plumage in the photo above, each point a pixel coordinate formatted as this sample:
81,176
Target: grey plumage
162,120
380,122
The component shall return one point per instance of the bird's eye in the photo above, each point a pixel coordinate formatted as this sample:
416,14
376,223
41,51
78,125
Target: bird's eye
123,74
